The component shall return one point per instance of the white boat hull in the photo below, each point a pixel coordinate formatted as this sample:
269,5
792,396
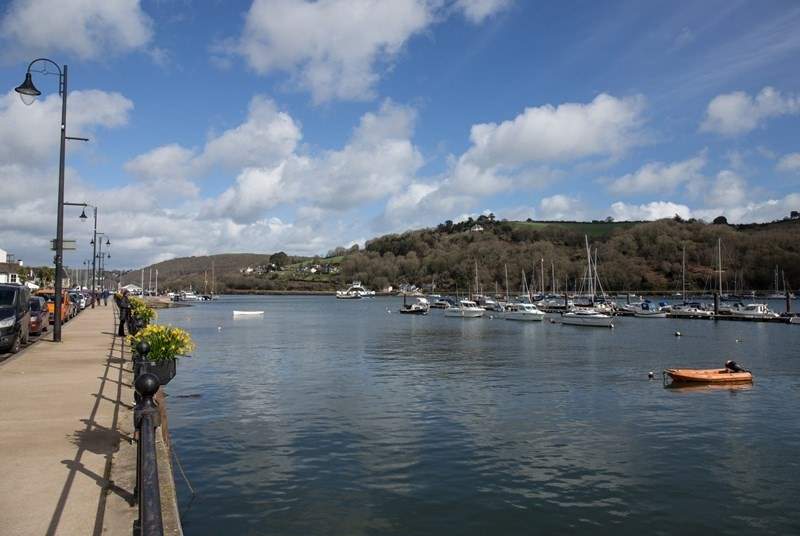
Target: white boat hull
248,313
658,314
592,321
523,316
691,313
794,320
457,312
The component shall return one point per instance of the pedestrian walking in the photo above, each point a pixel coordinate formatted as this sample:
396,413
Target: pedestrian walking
105,297
124,306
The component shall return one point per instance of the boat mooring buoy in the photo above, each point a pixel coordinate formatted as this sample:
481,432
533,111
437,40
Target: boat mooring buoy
738,340
219,328
677,333
651,375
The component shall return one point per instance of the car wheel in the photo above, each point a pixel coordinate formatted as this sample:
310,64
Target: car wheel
16,345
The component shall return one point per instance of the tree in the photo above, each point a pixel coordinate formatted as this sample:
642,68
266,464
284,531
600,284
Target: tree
279,259
720,220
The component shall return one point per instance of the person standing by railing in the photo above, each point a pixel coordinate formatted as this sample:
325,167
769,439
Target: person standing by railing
124,306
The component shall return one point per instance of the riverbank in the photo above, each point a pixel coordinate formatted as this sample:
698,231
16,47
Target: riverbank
69,453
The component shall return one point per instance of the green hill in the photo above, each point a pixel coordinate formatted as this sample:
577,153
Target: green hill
630,256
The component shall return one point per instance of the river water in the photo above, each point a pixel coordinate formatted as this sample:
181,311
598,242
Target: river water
330,416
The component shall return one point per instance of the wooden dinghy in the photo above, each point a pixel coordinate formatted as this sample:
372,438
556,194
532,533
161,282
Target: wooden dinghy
732,373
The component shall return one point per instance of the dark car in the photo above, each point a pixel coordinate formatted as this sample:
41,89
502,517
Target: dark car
14,317
40,318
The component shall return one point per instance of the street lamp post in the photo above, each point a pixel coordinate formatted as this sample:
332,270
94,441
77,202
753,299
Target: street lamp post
94,237
28,94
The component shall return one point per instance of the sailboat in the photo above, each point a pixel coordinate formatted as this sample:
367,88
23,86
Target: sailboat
779,294
687,310
421,307
588,316
523,311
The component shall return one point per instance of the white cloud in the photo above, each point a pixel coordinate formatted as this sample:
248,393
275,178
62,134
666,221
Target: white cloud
169,168
330,47
88,29
265,138
30,134
650,211
758,211
738,112
660,177
379,160
789,162
728,189
560,207
476,11
607,126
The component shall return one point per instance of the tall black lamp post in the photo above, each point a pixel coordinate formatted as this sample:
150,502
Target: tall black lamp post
28,93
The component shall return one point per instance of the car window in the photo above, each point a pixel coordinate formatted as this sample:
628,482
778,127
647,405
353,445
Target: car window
7,297
36,304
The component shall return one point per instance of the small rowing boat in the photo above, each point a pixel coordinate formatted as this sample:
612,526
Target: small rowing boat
732,373
247,313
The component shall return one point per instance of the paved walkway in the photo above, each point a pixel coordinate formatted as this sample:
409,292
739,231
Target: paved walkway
65,410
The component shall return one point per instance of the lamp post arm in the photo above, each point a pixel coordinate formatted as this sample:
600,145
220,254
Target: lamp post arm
62,75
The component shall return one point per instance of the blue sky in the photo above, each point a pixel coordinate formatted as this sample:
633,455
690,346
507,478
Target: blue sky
299,126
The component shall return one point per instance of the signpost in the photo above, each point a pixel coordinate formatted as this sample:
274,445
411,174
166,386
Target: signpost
68,244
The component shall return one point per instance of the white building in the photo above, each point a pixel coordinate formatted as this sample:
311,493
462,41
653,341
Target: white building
3,256
136,290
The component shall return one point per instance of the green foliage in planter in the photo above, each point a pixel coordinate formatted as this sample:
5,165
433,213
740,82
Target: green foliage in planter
166,342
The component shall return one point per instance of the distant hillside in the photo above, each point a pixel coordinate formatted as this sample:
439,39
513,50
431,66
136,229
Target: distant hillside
631,256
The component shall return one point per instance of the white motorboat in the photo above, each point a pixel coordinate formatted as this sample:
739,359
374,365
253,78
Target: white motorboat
794,320
523,311
690,311
354,292
247,313
647,310
587,317
465,309
754,310
421,307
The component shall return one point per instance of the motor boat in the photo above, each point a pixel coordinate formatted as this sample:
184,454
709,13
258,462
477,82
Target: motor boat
754,310
247,313
647,310
421,307
465,309
690,310
587,317
523,311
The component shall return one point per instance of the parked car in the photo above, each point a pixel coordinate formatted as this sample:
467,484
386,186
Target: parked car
75,303
14,317
40,318
50,296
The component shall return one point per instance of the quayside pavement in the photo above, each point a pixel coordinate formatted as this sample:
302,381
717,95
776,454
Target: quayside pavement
65,420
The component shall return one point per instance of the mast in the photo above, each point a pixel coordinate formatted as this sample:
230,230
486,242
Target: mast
477,285
719,255
213,282
506,283
553,276
589,262
683,274
542,281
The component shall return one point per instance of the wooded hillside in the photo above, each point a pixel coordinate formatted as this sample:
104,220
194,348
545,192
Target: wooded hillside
631,256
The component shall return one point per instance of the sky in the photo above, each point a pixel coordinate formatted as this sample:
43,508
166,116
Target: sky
267,125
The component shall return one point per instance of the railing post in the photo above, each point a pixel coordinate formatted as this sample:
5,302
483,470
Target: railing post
146,419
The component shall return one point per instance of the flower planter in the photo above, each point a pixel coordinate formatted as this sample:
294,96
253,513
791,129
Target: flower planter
165,370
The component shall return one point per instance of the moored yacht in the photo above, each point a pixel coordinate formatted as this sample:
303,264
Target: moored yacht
465,309
753,310
421,307
523,311
587,317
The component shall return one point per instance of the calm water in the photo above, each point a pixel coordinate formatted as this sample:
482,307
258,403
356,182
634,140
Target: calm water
336,417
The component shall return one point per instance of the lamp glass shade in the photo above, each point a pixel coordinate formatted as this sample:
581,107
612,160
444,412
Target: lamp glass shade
108,242
83,215
27,91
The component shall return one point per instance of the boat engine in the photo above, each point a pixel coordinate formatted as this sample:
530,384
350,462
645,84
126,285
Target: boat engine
733,366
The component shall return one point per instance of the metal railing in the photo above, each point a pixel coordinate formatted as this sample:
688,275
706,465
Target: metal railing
146,418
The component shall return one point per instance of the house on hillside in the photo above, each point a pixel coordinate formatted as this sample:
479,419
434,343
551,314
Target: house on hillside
476,228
